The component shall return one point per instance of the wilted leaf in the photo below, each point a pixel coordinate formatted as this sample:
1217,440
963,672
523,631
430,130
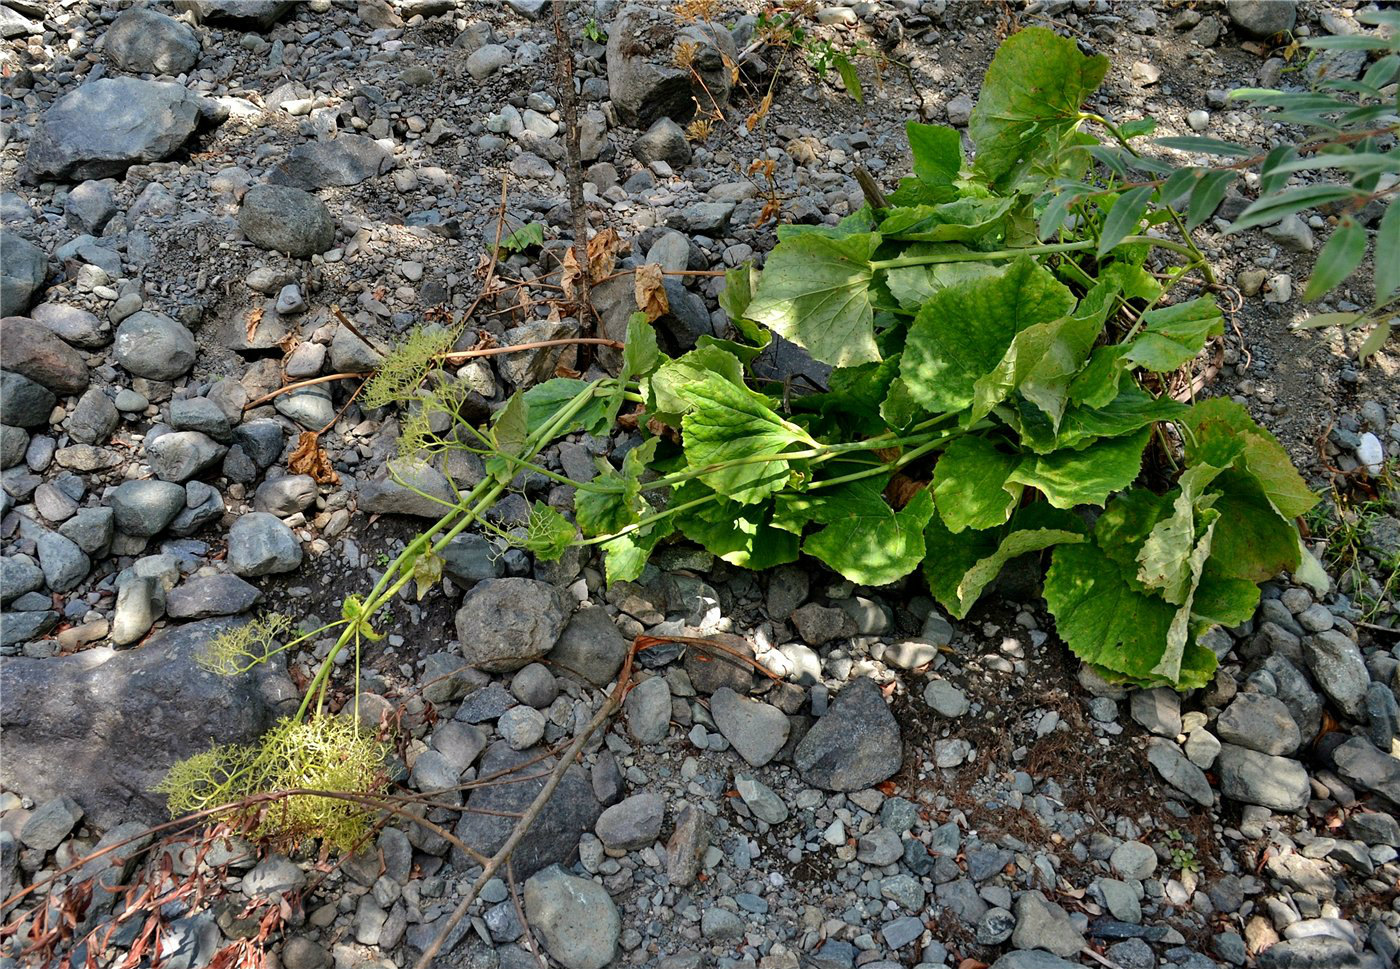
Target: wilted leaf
602,254
427,572
572,273
310,458
650,290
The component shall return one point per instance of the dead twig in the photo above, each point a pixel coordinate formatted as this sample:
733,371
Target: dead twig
573,172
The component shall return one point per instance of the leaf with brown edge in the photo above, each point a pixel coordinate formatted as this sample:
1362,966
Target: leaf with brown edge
311,459
602,254
650,291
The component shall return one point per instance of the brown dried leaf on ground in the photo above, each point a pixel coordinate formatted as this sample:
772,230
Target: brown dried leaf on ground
571,275
254,318
650,291
902,489
602,254
310,458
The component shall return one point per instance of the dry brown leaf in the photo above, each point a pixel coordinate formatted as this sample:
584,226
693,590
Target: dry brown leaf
572,273
651,291
254,318
310,458
602,254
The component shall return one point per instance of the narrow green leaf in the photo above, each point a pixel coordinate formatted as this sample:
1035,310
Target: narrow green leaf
1337,260
1349,42
849,77
970,486
815,292
1374,340
1206,197
1271,208
1210,146
1123,218
1319,320
1140,128
1178,184
1055,213
1388,254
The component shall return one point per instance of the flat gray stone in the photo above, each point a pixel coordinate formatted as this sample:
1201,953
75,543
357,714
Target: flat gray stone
855,745
105,126
1276,783
757,730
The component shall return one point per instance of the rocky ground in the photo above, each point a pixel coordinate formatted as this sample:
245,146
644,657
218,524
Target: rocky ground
187,191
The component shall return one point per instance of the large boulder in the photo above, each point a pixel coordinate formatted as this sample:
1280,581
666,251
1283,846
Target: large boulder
347,160
644,80
246,14
285,219
145,41
23,267
553,839
104,726
108,125
32,350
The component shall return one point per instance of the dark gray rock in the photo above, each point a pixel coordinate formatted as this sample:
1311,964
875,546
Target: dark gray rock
203,597
90,206
245,14
94,418
1178,771
1260,723
504,624
73,325
32,350
1337,666
709,670
261,441
14,442
203,415
105,126
286,495
261,544
51,822
648,710
632,823
1363,765
385,496
23,267
570,811
471,558
1303,702
18,576
181,455
284,219
347,160
64,564
350,354
24,403
204,505
144,41
104,726
855,745
643,79
1309,952
154,346
1033,959
91,530
663,141
145,508
1263,18
575,917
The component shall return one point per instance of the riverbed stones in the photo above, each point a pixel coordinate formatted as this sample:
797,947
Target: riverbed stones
634,822
145,508
23,267
262,544
1276,783
144,41
757,730
644,81
505,624
285,219
105,126
855,745
32,350
154,346
340,162
575,917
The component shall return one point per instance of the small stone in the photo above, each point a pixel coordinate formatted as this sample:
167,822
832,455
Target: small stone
1263,18
663,141
1198,120
284,219
51,823
1254,778
274,875
535,685
1179,772
757,730
1134,860
521,727
203,597
760,799
1337,666
855,745
648,709
154,346
575,917
590,647
261,544
632,823
946,699
1292,233
505,624
1042,924
1158,710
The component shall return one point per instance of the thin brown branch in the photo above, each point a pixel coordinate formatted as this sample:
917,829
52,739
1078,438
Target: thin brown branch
535,345
309,382
573,171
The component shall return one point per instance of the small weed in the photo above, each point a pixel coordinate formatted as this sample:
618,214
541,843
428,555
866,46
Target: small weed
593,32
1183,853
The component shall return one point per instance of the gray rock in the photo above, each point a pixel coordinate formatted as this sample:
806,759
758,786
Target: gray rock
487,60
23,267
285,496
154,346
64,564
568,813
105,126
995,927
590,647
1157,710
140,602
284,219
18,576
83,724
274,875
1041,924
1178,771
385,496
1263,18
704,218
710,670
946,699
521,727
1260,723
1033,959
14,442
632,823
203,597
181,455
1309,952
20,627
818,625
343,161
261,544
1292,233
718,923
32,350
145,508
51,822
787,589
644,82
350,354
879,847
756,730
648,709
91,530
855,745
203,415
311,407
1337,666
24,403
74,325
143,41
535,686
246,14
94,418
469,558
1133,859
203,506
687,845
663,141
761,800
1273,782
1365,766
1304,704
302,952
575,917
504,624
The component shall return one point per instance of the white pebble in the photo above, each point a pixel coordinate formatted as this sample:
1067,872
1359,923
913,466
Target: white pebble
1370,453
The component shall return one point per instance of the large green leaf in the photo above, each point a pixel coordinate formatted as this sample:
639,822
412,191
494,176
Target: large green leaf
742,535
963,331
970,486
1107,623
899,408
626,556
1219,419
960,567
911,286
966,220
1166,559
730,423
1032,91
544,401
937,152
665,390
1086,476
1173,335
1044,358
865,539
612,500
815,291
1125,524
1252,540
1130,411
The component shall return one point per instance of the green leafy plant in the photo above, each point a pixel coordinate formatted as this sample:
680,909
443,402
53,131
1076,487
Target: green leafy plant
528,235
593,32
1183,853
